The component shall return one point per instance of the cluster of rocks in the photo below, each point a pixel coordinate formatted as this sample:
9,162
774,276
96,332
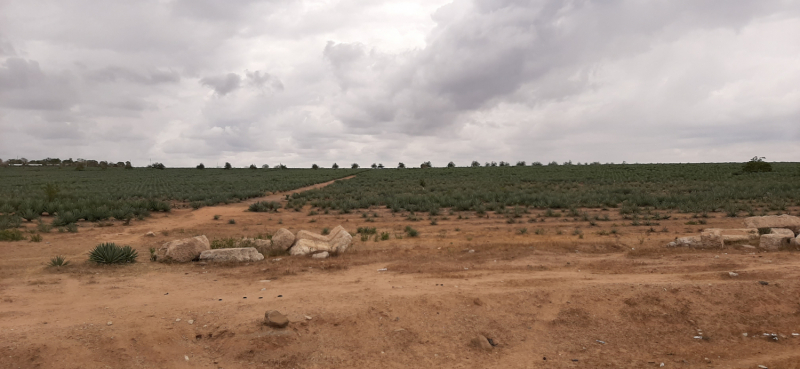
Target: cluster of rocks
772,232
304,243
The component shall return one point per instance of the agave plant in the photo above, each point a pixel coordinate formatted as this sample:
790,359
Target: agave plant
58,261
28,214
110,253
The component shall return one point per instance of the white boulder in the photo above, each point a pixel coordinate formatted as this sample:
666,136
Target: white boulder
774,221
241,254
184,250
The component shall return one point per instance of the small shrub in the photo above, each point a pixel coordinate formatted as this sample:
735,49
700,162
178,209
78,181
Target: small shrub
11,235
217,216
36,238
28,214
10,221
231,221
44,227
72,228
523,230
265,207
411,232
434,222
326,231
58,261
152,250
110,253
367,230
384,236
764,230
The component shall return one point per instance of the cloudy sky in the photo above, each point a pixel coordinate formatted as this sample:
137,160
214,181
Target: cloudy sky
301,82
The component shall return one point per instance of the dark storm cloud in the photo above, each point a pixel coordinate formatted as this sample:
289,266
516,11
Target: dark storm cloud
223,84
23,85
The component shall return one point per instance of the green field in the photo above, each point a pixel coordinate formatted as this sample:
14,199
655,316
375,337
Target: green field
689,188
95,194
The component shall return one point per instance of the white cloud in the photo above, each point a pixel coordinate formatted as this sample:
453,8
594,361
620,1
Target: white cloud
345,81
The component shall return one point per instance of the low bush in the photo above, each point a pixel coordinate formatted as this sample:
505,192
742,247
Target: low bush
36,238
110,253
411,232
265,207
11,235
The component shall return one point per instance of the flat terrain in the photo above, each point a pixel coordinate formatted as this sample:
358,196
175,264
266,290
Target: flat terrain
550,296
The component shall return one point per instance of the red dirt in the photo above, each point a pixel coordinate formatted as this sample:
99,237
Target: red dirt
546,300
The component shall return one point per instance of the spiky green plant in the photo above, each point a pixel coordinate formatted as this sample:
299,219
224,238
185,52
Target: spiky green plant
58,261
110,253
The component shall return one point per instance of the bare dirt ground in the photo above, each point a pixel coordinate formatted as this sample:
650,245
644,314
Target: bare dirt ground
547,296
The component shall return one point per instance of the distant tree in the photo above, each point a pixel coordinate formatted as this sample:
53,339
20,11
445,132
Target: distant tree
253,166
380,165
23,161
314,166
281,166
425,165
157,165
374,166
536,164
568,162
80,166
103,164
118,165
228,165
354,166
521,163
494,164
401,165
553,163
265,166
200,166
335,166
451,165
756,165
475,164
505,164
127,165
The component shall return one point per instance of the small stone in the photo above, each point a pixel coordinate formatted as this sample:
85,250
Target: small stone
733,274
762,367
109,323
481,342
744,334
274,318
186,357
178,320
321,255
150,234
191,322
264,280
308,317
764,283
471,251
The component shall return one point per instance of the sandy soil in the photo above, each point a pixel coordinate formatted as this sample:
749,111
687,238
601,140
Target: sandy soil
551,300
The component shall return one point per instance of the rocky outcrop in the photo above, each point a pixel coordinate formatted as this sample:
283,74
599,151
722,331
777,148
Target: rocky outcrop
774,221
716,238
283,239
243,254
782,231
774,241
182,251
321,255
691,241
308,243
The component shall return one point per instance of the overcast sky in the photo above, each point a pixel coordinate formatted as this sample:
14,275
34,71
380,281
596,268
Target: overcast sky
301,82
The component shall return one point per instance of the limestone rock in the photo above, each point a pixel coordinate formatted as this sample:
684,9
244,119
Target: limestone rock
711,238
306,235
691,241
150,234
782,232
321,255
774,221
307,246
341,241
795,241
238,255
184,250
480,341
773,241
275,319
283,239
